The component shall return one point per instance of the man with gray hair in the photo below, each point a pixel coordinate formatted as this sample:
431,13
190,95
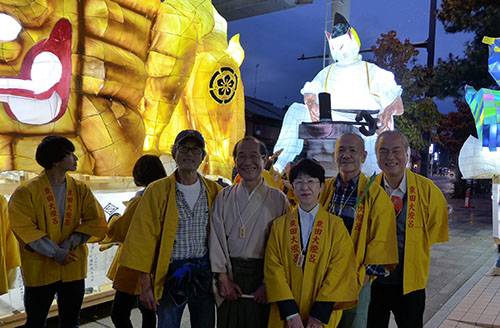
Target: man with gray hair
363,206
239,229
421,221
167,239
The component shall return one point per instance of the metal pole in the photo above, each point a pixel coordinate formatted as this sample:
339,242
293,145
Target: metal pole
255,86
431,42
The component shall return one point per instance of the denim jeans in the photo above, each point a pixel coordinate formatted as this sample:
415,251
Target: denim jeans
201,306
498,262
201,311
37,302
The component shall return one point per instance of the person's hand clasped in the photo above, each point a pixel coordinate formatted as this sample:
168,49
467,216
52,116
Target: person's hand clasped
295,322
227,288
70,257
260,295
313,323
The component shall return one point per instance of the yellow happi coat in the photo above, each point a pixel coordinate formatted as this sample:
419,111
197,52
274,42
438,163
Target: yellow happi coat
9,248
33,215
374,229
426,225
149,243
124,279
329,268
272,177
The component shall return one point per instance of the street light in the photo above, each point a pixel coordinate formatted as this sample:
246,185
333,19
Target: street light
255,85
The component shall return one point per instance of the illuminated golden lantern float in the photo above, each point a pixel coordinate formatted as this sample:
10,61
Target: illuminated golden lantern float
119,79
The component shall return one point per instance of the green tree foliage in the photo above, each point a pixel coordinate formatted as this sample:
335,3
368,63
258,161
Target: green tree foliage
480,17
421,114
455,128
452,132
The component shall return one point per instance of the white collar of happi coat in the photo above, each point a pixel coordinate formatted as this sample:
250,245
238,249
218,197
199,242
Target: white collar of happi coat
307,222
400,191
311,214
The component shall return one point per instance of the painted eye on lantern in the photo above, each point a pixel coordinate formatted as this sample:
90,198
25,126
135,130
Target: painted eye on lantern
10,28
45,72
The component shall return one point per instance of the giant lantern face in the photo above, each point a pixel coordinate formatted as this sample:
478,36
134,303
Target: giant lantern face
118,78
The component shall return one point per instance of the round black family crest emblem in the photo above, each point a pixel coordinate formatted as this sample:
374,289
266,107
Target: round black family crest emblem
223,85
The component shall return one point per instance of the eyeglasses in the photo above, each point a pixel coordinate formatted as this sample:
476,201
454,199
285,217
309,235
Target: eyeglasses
309,183
194,150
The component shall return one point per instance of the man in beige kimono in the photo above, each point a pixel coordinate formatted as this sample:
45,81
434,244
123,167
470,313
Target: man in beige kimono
240,224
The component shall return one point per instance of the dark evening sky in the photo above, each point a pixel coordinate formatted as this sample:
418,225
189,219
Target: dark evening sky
275,41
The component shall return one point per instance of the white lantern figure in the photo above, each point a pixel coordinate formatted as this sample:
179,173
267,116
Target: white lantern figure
353,84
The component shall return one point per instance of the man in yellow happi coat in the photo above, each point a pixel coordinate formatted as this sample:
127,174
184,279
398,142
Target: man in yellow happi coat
9,249
422,220
126,282
167,239
310,268
366,211
53,216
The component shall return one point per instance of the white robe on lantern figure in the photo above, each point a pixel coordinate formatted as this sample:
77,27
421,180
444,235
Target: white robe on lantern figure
353,84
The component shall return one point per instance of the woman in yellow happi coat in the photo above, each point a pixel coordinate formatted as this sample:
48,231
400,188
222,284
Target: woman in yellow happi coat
9,250
309,269
126,281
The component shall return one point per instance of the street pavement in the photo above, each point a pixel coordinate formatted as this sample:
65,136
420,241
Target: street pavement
456,267
460,263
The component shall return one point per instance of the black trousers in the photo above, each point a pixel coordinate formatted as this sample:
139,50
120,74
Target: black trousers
37,302
245,313
121,309
408,309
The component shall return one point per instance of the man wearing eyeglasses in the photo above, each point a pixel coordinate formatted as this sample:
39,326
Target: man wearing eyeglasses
364,208
422,220
167,239
240,225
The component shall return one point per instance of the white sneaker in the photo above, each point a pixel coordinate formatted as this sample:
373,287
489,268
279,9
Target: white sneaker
495,271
